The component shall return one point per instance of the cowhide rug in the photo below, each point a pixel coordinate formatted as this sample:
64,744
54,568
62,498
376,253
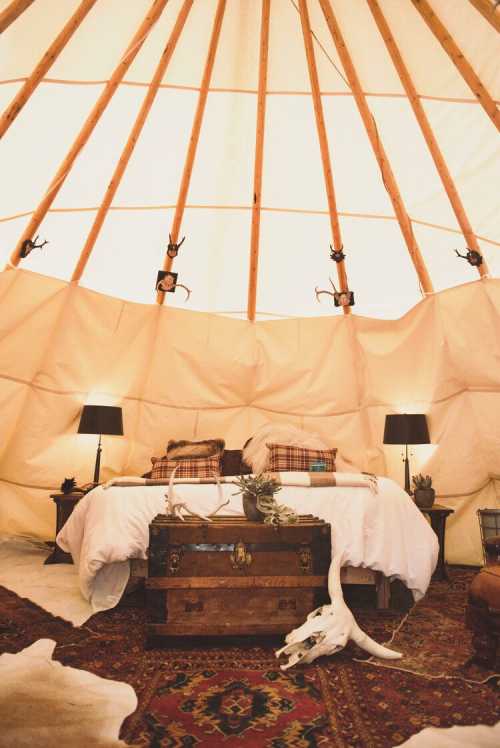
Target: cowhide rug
45,704
473,736
54,587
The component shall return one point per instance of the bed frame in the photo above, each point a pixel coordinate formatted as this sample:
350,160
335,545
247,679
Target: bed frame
356,575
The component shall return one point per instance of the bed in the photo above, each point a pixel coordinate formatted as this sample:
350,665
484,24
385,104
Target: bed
381,533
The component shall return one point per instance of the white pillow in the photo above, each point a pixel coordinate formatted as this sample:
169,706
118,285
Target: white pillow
343,465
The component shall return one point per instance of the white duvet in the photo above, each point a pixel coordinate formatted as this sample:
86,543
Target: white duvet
383,531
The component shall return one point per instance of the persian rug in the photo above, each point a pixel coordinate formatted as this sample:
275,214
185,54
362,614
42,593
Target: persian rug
438,618
214,693
44,703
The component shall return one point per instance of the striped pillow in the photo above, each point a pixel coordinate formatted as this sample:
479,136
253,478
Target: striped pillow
193,467
285,458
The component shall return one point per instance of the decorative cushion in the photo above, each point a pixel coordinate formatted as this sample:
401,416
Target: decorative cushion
189,467
204,448
284,458
256,453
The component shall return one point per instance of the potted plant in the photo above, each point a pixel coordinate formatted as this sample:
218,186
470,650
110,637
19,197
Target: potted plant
423,494
259,503
256,489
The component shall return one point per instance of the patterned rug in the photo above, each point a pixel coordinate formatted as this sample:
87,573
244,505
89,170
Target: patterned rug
203,694
433,638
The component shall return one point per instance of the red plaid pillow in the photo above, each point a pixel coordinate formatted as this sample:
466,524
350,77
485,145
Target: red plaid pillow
285,458
193,467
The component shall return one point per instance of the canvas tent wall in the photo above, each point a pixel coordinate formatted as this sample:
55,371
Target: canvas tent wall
261,222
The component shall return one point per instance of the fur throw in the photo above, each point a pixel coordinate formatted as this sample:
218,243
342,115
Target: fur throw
256,453
185,449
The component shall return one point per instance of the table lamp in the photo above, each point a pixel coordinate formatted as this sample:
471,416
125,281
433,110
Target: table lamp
406,428
100,419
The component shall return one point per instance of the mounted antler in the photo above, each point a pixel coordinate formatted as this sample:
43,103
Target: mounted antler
173,247
167,282
186,289
337,254
30,244
318,292
340,298
472,257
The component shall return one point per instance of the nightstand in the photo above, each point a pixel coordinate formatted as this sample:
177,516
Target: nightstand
65,503
437,515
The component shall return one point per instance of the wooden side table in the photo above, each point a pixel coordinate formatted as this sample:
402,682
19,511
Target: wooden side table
437,515
65,503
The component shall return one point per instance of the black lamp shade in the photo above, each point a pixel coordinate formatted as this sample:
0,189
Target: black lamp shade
406,428
101,419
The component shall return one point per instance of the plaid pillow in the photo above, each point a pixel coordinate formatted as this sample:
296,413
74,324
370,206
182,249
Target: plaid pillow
285,458
193,467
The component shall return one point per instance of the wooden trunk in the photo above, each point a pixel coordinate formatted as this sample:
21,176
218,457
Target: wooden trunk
232,576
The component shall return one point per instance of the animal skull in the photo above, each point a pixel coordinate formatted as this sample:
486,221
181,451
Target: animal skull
327,629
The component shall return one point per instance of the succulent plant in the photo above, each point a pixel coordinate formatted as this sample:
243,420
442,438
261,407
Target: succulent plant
68,485
422,483
257,485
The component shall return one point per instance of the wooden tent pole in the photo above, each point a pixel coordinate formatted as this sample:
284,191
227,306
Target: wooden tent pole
378,149
44,64
93,118
258,162
437,156
132,140
323,144
458,59
489,10
12,12
195,135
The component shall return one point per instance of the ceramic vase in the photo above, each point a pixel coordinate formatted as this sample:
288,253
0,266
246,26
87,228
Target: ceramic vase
424,497
250,508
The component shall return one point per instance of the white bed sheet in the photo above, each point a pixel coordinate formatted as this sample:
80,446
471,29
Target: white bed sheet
383,531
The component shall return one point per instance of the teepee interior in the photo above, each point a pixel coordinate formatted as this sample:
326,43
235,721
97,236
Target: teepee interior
256,154
252,245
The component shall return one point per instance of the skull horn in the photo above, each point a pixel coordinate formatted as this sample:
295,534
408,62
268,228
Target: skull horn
371,646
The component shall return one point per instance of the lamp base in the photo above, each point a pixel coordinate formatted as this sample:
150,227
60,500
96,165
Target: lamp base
97,467
407,471
407,475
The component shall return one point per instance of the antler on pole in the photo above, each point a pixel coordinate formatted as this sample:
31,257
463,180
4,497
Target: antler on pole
132,139
195,135
43,65
323,144
378,149
89,125
12,12
435,151
490,10
459,60
258,162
